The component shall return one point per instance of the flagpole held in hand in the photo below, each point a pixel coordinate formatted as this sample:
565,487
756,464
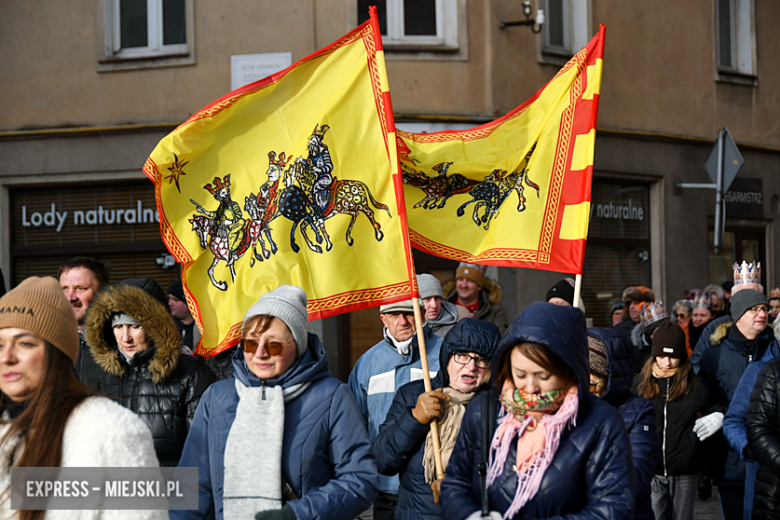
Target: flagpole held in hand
428,388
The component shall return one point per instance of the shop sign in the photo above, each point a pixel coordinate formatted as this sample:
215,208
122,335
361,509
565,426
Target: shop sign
621,210
745,198
57,219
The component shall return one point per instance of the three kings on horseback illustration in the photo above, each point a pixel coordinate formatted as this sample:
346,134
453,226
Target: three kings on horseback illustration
304,191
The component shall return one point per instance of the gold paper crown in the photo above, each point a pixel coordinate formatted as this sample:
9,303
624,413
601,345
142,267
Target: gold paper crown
652,312
747,273
774,293
702,302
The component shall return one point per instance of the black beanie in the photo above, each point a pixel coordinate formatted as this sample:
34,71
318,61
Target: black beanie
669,340
562,290
177,290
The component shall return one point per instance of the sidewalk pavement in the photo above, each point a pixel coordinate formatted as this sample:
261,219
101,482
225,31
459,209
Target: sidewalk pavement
708,509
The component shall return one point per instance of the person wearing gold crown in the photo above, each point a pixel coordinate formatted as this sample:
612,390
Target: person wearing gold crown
700,316
727,346
228,215
651,315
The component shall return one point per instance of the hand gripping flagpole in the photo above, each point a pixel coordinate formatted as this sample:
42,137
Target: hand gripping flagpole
427,382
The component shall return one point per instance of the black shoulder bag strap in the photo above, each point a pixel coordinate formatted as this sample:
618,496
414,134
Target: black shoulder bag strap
488,423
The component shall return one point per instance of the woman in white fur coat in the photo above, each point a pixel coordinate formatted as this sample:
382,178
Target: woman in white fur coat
47,417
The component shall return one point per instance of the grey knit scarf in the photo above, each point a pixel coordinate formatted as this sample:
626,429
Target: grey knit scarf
253,451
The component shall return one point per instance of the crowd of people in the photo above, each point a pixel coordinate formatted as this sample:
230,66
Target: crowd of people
539,417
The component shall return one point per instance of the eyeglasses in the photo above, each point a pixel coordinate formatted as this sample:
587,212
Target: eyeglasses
274,348
464,359
681,316
759,308
596,383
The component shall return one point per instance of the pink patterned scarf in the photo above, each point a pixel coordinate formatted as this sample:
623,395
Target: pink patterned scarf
520,418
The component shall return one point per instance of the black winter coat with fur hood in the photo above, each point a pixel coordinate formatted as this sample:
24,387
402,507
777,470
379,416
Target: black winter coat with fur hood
160,384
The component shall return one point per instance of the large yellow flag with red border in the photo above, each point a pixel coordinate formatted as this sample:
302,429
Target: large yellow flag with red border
516,191
289,180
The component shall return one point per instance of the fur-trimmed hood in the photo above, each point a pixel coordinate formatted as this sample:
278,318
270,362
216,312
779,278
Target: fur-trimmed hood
153,317
721,331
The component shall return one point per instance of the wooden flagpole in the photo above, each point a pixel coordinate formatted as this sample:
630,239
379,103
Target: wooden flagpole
577,290
428,388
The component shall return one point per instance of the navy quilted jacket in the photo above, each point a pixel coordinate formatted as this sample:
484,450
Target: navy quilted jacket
326,455
637,412
400,446
592,472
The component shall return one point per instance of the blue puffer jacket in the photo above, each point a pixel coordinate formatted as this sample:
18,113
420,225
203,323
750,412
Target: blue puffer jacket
326,456
376,377
591,474
400,446
637,412
735,423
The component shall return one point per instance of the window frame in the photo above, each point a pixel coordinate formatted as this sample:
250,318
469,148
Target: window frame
742,43
446,38
112,57
576,31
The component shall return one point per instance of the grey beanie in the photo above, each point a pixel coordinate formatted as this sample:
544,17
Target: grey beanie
743,300
429,286
122,319
288,303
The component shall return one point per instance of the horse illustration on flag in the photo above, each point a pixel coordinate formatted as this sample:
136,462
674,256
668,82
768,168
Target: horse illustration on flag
490,193
310,196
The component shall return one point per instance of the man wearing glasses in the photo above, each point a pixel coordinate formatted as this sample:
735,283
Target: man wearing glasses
381,371
734,345
81,278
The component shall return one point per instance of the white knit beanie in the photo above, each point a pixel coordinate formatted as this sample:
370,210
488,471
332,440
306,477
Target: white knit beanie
288,303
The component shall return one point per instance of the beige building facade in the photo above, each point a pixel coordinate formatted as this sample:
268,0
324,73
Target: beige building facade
88,87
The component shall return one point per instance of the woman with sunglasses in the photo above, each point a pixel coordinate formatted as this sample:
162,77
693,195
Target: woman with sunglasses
556,450
283,440
681,315
679,397
611,360
404,443
47,417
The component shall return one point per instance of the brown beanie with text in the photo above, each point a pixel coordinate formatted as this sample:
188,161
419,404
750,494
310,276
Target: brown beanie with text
39,305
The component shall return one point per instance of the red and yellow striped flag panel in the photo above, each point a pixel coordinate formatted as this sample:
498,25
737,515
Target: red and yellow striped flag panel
516,191
290,180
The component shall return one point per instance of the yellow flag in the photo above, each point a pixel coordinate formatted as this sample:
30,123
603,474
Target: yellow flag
516,191
290,180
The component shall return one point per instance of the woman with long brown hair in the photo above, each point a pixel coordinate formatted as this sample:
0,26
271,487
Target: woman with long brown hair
552,449
667,380
47,417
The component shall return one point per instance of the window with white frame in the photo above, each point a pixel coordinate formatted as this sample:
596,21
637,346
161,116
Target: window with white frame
565,29
735,36
415,23
146,28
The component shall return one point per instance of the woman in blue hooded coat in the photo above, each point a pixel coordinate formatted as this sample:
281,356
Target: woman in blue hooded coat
403,444
611,377
556,448
283,440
